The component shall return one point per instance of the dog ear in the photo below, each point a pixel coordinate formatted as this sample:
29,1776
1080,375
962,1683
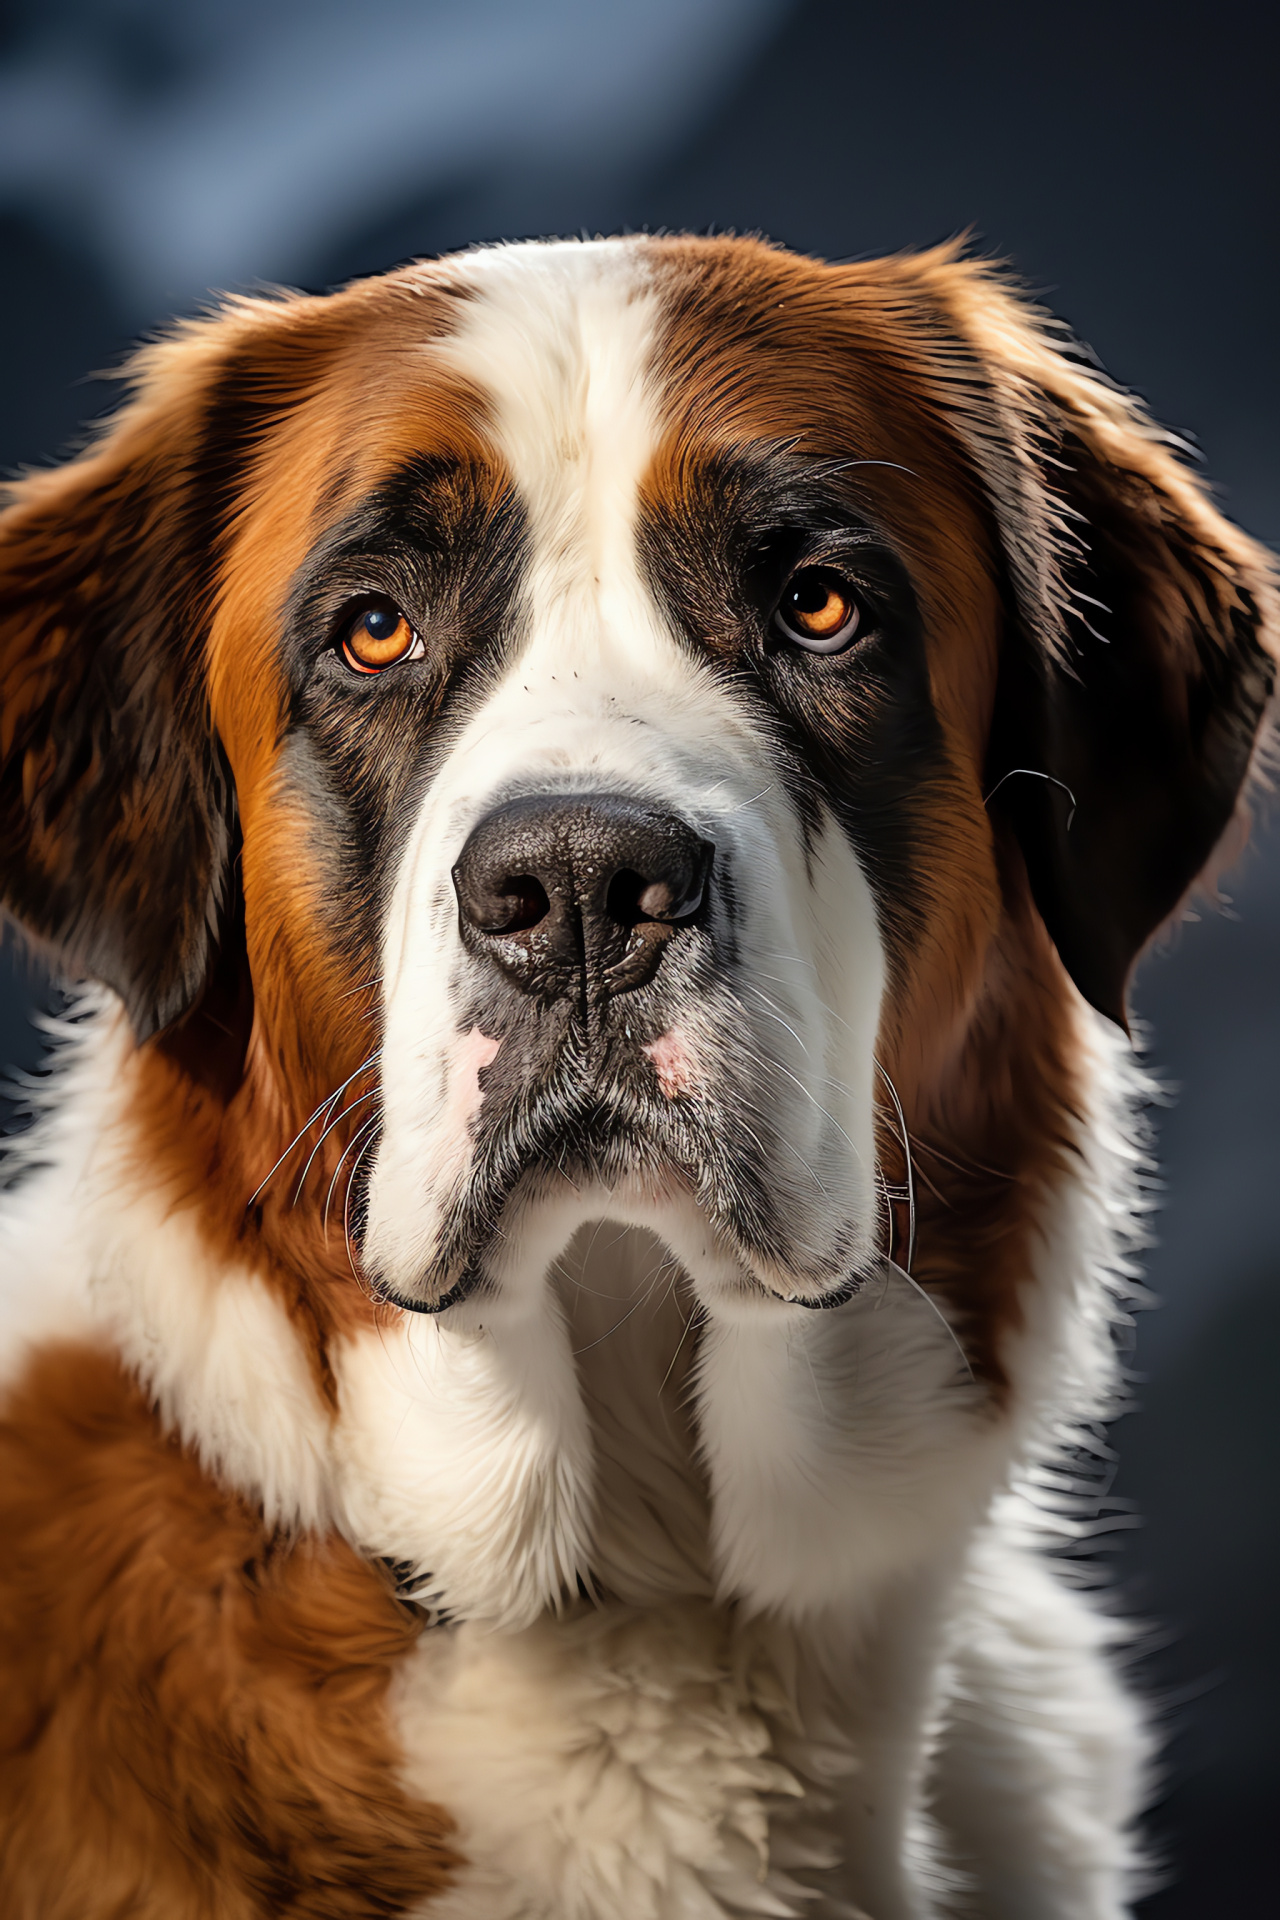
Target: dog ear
1139,655
116,809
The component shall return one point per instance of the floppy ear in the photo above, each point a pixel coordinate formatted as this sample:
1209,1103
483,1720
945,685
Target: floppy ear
1140,651
116,811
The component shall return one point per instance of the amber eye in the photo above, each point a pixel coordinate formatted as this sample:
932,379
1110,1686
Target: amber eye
377,638
818,611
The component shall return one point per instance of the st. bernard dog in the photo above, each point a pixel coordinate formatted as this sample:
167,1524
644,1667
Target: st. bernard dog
605,797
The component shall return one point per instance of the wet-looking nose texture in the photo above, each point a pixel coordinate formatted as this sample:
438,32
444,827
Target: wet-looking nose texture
579,891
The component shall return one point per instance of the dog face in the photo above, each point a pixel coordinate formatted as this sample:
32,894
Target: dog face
628,941
612,712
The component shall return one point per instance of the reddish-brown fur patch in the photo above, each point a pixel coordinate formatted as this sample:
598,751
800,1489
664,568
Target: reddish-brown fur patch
197,1724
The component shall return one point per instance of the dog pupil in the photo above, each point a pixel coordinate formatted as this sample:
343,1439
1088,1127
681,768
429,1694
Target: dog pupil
380,623
811,594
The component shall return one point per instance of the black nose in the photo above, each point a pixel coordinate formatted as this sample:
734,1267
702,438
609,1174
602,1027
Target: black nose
580,892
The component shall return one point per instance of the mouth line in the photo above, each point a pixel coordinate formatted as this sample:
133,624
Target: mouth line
474,1280
535,1156
837,1297
558,1111
563,1127
463,1289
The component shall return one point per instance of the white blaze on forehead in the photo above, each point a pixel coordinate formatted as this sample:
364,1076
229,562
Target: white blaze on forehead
560,340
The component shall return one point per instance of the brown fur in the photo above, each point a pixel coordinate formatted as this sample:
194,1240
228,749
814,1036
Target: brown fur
198,1725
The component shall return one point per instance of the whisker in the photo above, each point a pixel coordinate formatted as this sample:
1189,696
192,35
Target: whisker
936,1191
325,1106
935,1309
360,1132
744,804
696,1315
1034,773
769,1004
346,1208
846,466
808,1169
639,1301
335,1122
974,1166
777,1067
911,1182
363,987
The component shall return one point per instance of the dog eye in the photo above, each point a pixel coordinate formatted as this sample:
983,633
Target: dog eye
377,638
818,611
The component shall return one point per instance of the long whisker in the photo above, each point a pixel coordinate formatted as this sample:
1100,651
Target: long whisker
911,1178
335,1122
302,1130
326,1106
846,466
696,1314
974,1166
935,1190
1034,773
744,804
935,1309
776,1066
769,1004
346,1205
359,1134
364,986
641,1299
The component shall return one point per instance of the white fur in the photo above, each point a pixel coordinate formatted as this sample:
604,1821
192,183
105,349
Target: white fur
92,1252
463,1450
628,1772
1045,1755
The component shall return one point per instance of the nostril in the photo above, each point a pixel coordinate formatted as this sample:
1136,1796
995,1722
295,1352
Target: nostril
660,901
632,897
625,900
516,905
676,895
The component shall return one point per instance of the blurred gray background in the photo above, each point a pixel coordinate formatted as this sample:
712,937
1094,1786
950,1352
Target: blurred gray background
1125,156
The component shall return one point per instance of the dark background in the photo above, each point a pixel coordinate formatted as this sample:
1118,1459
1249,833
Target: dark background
1126,158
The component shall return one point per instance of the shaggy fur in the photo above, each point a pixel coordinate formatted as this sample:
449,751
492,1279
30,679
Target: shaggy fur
543,1392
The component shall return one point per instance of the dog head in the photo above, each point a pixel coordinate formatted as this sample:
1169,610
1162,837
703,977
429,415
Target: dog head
609,712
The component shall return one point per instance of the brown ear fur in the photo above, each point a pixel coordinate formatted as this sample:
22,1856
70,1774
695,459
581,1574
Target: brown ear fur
1142,638
116,808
